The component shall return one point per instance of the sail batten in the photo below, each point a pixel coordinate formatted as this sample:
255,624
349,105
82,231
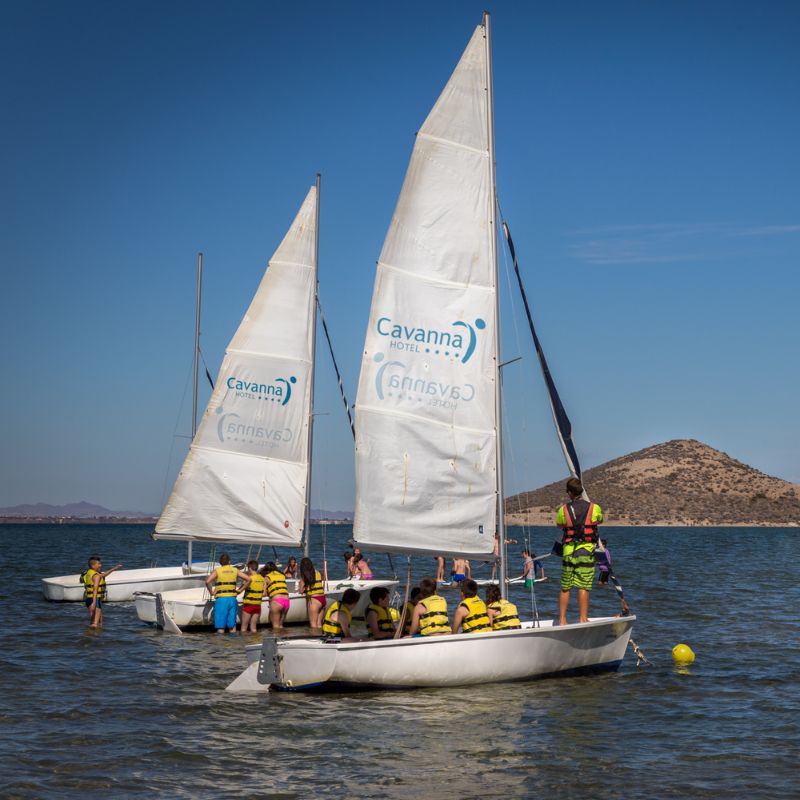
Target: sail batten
246,475
426,424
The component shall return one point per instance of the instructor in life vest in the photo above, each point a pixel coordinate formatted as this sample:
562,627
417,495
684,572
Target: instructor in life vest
578,519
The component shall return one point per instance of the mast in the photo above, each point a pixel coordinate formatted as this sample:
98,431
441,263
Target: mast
197,340
501,528
196,370
313,362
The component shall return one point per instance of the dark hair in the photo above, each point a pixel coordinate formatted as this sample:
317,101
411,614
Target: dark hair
307,572
224,559
574,488
93,558
427,587
414,594
350,596
347,555
526,552
377,593
604,541
252,564
291,558
492,593
469,588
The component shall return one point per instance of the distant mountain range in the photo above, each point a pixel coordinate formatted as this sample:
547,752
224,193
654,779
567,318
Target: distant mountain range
82,510
681,482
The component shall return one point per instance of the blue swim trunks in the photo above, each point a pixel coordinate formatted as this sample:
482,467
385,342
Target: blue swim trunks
88,601
457,577
225,613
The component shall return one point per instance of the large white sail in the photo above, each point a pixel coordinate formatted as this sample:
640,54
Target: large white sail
245,477
426,427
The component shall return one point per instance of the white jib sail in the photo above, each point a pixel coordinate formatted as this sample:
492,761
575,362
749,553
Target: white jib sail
245,477
425,422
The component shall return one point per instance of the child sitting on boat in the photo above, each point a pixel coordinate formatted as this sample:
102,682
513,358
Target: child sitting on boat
471,616
339,616
430,613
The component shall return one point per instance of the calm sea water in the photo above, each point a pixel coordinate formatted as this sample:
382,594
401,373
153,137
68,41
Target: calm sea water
130,711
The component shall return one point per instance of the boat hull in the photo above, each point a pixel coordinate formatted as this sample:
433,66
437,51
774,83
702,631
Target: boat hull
122,584
193,608
453,660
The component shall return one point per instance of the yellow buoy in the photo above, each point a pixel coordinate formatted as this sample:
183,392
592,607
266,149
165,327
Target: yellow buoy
682,654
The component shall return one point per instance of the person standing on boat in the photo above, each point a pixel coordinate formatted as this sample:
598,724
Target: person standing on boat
224,593
471,614
291,571
253,589
602,558
502,613
378,618
430,613
361,566
312,587
339,615
578,520
278,595
348,560
460,570
440,569
94,589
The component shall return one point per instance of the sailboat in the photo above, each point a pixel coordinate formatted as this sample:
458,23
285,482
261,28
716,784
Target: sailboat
246,479
428,421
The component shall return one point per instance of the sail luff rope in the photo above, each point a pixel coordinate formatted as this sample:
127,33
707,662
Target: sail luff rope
336,369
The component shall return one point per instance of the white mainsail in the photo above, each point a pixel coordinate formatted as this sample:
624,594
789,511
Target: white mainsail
246,474
426,421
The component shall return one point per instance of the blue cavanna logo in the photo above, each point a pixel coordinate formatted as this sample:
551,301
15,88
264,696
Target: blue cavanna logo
448,343
278,392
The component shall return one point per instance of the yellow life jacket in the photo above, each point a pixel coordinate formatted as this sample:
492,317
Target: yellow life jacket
506,618
277,585
332,627
477,619
385,624
434,620
226,581
409,615
316,588
88,585
255,590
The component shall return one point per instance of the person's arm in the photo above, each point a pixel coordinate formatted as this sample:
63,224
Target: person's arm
243,587
418,610
461,612
341,617
95,588
109,571
467,570
209,580
372,624
492,613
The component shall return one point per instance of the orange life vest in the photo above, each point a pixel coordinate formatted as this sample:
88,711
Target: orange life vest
574,531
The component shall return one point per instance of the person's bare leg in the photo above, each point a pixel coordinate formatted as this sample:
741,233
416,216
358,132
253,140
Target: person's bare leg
583,605
245,621
563,602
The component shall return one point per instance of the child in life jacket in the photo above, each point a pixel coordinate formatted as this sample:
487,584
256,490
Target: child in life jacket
253,589
94,589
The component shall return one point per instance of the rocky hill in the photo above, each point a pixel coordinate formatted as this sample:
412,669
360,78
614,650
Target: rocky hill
682,482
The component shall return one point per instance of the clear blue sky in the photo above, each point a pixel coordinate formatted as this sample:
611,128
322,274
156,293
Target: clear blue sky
647,162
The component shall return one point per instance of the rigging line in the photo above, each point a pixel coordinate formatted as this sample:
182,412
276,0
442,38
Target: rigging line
175,434
208,374
563,425
336,369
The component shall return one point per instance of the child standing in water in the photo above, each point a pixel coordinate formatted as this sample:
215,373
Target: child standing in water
253,595
94,589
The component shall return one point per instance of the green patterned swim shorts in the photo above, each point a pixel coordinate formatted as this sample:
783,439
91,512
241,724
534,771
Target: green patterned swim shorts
578,566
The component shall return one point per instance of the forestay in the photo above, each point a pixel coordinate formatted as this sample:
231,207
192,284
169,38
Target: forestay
426,429
245,477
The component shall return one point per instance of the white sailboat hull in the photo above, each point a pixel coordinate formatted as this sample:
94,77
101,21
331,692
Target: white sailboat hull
437,661
122,584
193,608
